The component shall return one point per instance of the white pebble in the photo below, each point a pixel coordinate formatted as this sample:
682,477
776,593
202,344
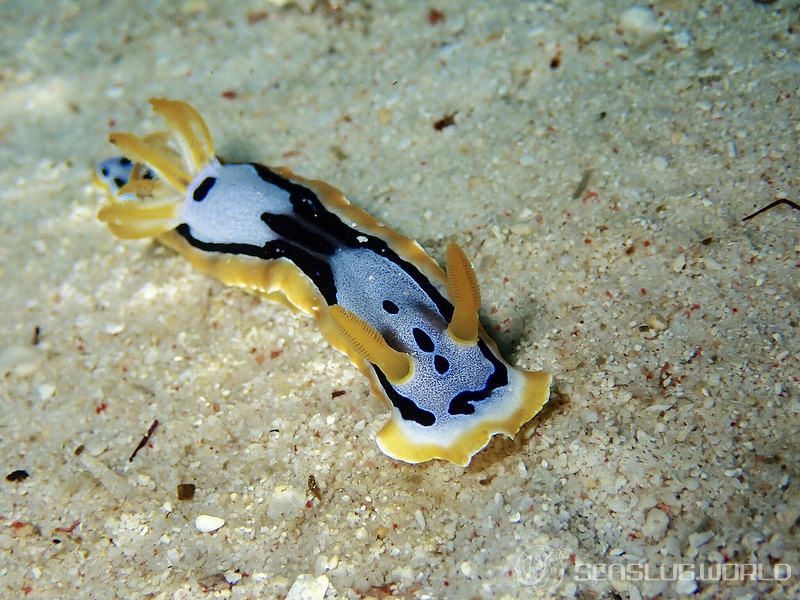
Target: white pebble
640,24
46,391
114,328
655,524
682,39
232,577
20,360
286,501
660,163
656,323
114,91
308,587
148,291
679,263
466,569
208,523
420,518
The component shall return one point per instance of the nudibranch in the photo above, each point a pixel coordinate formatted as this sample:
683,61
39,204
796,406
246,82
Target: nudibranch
409,326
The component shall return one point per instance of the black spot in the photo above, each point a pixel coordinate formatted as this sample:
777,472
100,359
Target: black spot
423,341
390,307
104,171
441,364
125,161
119,181
201,191
148,174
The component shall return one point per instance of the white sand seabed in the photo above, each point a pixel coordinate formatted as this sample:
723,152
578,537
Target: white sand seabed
669,324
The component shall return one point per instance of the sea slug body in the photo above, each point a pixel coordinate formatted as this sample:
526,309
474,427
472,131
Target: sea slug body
406,324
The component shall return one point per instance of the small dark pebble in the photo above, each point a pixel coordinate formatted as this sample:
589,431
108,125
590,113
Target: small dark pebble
764,1
707,241
445,121
17,476
256,16
185,491
435,16
313,487
338,153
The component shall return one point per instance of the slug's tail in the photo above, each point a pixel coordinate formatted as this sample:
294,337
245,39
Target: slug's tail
141,195
527,395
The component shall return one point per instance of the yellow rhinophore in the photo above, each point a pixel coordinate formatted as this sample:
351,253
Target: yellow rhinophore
463,287
370,345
